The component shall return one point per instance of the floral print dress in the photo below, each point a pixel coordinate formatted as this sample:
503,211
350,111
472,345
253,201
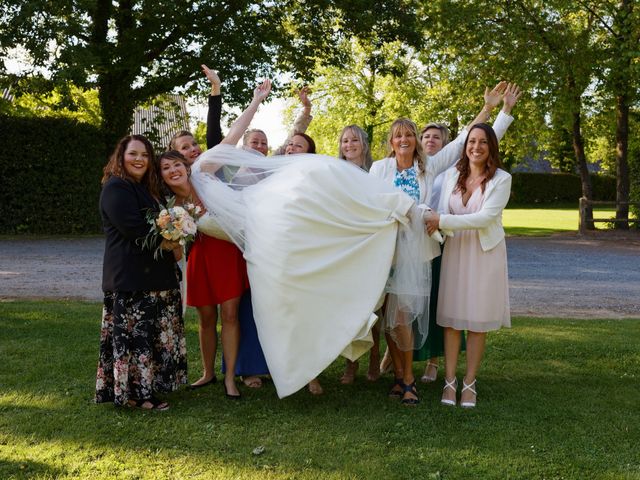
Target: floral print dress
142,346
407,181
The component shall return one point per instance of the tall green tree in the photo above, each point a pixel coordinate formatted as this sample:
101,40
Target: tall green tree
549,45
134,50
617,30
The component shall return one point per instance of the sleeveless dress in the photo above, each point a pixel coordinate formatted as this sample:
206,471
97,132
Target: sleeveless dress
474,289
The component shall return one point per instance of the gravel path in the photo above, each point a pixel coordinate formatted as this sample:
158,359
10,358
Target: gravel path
563,276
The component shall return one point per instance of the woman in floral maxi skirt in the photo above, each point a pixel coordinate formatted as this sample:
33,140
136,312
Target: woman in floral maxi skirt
142,345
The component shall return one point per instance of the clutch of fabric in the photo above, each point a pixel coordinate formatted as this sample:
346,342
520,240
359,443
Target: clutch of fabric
320,237
208,225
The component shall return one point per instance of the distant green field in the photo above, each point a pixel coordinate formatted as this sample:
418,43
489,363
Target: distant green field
535,221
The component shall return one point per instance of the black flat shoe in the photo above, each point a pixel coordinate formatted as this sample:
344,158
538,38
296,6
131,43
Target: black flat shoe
209,382
411,402
228,395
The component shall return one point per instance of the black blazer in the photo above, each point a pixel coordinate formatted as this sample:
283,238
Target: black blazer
127,266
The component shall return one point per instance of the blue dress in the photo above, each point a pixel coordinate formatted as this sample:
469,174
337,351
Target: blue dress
250,359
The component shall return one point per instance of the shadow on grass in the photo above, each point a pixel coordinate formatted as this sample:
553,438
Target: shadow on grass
542,412
28,469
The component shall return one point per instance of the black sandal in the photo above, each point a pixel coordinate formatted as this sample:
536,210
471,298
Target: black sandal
410,402
159,405
393,392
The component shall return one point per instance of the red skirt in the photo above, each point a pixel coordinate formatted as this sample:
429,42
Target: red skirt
216,272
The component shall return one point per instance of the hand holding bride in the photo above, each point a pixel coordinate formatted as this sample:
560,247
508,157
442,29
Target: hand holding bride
431,221
427,215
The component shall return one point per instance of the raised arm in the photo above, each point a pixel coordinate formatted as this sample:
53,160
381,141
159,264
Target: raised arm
241,124
492,99
302,121
214,131
450,154
511,96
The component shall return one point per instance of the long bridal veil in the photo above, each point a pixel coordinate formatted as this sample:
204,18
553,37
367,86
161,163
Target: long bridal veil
324,241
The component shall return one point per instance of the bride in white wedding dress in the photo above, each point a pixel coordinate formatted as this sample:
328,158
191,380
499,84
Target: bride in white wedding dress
320,237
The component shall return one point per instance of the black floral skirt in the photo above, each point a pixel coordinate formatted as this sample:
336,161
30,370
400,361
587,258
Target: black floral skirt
142,346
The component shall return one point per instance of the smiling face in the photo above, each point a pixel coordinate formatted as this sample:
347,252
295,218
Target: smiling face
174,173
432,141
351,147
403,141
136,160
258,141
477,147
188,147
297,144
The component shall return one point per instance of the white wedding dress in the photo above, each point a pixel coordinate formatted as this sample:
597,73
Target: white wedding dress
319,236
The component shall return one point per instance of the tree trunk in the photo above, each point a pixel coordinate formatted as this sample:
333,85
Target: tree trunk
581,160
622,163
622,87
117,105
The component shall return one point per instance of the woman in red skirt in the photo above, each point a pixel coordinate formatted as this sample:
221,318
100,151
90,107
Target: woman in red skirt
216,270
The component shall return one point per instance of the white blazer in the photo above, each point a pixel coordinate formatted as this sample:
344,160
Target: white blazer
488,220
434,165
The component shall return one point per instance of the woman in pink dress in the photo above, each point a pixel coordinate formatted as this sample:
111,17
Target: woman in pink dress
474,291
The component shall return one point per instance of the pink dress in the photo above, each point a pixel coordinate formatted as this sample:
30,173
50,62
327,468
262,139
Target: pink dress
474,288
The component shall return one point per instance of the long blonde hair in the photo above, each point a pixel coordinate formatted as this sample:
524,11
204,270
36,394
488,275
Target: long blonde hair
407,125
358,132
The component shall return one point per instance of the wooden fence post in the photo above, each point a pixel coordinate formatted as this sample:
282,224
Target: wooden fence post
582,224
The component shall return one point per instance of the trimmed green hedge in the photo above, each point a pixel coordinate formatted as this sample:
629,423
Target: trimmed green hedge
51,170
529,188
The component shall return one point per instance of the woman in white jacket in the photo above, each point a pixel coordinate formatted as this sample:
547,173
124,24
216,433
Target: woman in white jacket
413,172
474,292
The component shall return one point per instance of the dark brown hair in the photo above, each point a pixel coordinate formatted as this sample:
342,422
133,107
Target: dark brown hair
175,156
312,144
115,165
493,161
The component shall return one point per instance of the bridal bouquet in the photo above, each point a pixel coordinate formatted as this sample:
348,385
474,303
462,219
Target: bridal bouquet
174,223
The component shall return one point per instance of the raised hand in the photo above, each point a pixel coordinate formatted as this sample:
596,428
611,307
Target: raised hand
493,98
303,94
237,128
213,78
262,91
511,96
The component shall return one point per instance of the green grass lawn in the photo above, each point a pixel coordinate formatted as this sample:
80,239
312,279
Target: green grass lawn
539,220
557,399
